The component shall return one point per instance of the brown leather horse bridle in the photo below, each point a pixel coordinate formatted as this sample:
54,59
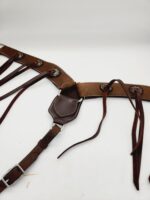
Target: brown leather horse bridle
66,105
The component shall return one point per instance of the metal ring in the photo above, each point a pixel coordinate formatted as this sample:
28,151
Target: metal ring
55,72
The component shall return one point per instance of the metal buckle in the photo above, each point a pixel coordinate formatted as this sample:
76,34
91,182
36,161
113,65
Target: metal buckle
6,181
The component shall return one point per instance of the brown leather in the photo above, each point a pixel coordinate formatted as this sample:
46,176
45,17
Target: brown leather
63,81
21,89
16,72
15,172
93,90
64,109
86,90
137,140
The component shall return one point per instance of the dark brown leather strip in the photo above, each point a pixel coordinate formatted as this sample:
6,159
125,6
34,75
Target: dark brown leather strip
15,73
17,171
62,82
8,63
105,94
138,143
22,88
92,90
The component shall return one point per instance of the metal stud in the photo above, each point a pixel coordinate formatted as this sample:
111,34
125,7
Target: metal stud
103,86
55,72
20,55
136,89
39,63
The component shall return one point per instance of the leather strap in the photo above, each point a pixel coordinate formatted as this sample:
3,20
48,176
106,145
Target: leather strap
86,90
19,169
61,82
68,86
93,90
104,105
16,72
137,140
20,89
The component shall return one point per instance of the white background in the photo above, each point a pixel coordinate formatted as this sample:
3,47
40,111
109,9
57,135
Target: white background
92,40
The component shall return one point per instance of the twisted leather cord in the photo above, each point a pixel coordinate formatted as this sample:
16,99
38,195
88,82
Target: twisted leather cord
22,88
7,64
16,72
105,94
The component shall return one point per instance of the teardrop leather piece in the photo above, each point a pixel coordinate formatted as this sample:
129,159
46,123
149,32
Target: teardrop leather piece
64,109
65,106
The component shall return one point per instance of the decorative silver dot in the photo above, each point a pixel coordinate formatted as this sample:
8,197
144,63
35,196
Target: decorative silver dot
55,72
136,89
20,55
103,86
39,63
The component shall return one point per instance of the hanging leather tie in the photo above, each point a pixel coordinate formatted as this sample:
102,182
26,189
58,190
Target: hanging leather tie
139,114
16,72
104,98
7,64
137,140
21,89
106,88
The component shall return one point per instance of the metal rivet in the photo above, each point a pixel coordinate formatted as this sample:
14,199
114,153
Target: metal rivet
20,55
1,46
136,89
103,86
55,72
39,63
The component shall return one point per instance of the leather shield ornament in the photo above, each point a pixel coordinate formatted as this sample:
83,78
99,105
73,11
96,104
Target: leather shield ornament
64,109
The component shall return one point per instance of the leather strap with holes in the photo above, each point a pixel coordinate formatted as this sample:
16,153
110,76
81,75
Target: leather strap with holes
18,170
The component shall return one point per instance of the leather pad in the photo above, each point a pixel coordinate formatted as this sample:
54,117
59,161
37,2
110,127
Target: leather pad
64,109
